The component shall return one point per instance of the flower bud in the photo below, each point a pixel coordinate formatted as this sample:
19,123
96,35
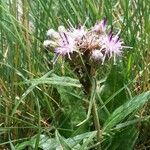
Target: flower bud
61,29
49,44
97,55
52,34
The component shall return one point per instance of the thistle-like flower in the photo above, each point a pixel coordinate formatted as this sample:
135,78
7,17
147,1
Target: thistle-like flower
112,46
94,43
79,33
66,45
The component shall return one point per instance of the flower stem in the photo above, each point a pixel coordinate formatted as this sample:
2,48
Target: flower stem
97,124
95,115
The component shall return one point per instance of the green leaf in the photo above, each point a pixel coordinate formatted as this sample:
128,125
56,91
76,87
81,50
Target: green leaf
55,80
123,111
88,140
124,139
114,92
45,143
61,141
74,141
48,143
23,145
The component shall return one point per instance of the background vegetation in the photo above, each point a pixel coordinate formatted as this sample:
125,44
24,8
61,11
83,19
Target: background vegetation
42,107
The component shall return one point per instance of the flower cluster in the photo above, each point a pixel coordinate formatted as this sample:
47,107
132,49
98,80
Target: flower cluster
94,43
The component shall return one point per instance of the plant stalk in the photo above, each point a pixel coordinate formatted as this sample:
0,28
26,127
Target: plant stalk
95,114
96,124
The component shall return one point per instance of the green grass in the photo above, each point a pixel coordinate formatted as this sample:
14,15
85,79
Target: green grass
45,107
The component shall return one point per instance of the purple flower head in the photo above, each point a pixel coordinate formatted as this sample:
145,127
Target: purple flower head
66,45
78,33
112,45
94,42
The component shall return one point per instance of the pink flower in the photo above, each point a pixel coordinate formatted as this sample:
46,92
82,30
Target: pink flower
78,33
93,42
112,46
66,45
